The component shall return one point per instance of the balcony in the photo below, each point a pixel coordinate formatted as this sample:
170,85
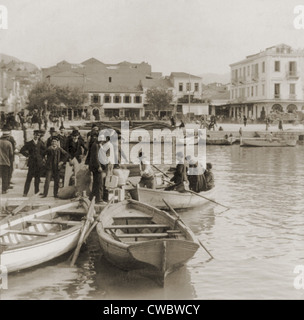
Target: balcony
234,81
292,75
242,80
255,76
277,96
292,96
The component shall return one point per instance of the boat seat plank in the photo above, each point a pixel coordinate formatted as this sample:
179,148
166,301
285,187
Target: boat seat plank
173,231
30,233
67,222
137,226
142,235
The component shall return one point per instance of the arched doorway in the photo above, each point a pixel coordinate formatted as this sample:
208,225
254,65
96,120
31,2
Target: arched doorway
292,108
277,108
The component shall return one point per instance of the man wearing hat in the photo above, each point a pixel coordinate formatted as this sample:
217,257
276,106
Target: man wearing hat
7,135
6,160
52,134
34,150
96,169
55,158
63,139
76,146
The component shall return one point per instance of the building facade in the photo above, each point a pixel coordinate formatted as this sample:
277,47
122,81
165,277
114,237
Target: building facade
268,82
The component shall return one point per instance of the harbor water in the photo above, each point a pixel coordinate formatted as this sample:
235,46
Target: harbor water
256,245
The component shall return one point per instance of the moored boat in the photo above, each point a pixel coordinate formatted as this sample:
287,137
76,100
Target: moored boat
178,200
31,238
266,142
136,236
221,141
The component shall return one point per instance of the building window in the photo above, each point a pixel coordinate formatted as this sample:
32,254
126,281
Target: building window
292,68
127,99
180,87
196,87
107,98
252,91
277,90
292,88
110,79
188,86
244,72
248,92
232,94
95,98
138,99
248,71
256,90
117,99
263,89
263,66
277,66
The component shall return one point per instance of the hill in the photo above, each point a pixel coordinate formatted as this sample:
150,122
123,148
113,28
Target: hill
6,59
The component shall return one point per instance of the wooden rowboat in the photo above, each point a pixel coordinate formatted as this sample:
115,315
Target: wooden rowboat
31,238
136,236
265,142
178,200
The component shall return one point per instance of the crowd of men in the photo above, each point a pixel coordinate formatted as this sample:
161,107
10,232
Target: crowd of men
49,157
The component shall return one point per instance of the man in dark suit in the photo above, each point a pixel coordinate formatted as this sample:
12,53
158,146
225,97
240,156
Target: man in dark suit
55,158
76,146
34,150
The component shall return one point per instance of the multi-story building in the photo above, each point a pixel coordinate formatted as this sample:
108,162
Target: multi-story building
266,82
119,90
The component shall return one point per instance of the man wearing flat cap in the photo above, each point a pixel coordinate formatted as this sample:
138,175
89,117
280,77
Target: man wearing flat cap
6,160
55,158
34,150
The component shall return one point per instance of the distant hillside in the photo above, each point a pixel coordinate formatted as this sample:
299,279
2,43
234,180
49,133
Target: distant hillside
213,77
4,58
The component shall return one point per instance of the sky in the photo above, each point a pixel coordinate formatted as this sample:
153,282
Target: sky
193,36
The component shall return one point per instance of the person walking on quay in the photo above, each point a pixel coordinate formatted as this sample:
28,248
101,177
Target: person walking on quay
280,125
34,150
55,158
245,120
6,161
96,169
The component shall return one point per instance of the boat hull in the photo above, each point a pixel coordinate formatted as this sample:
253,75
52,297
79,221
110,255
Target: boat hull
155,258
178,200
262,142
22,247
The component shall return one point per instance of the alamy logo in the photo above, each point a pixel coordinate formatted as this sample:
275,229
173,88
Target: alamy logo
298,22
3,17
3,277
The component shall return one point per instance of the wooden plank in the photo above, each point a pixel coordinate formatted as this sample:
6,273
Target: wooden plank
66,222
29,233
24,204
142,235
137,226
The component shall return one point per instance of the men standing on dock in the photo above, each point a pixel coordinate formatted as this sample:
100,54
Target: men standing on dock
34,150
55,158
6,161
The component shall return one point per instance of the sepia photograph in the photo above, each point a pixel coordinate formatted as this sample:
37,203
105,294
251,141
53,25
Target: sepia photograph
151,151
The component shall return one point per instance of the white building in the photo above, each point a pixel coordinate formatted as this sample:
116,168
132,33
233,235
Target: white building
266,82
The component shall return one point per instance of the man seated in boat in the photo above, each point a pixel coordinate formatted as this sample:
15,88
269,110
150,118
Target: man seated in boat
180,175
209,177
147,179
196,176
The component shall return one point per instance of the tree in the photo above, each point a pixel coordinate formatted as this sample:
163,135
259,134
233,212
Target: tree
159,99
55,95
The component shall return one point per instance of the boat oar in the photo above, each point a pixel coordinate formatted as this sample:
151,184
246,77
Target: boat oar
97,220
89,219
178,217
160,171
